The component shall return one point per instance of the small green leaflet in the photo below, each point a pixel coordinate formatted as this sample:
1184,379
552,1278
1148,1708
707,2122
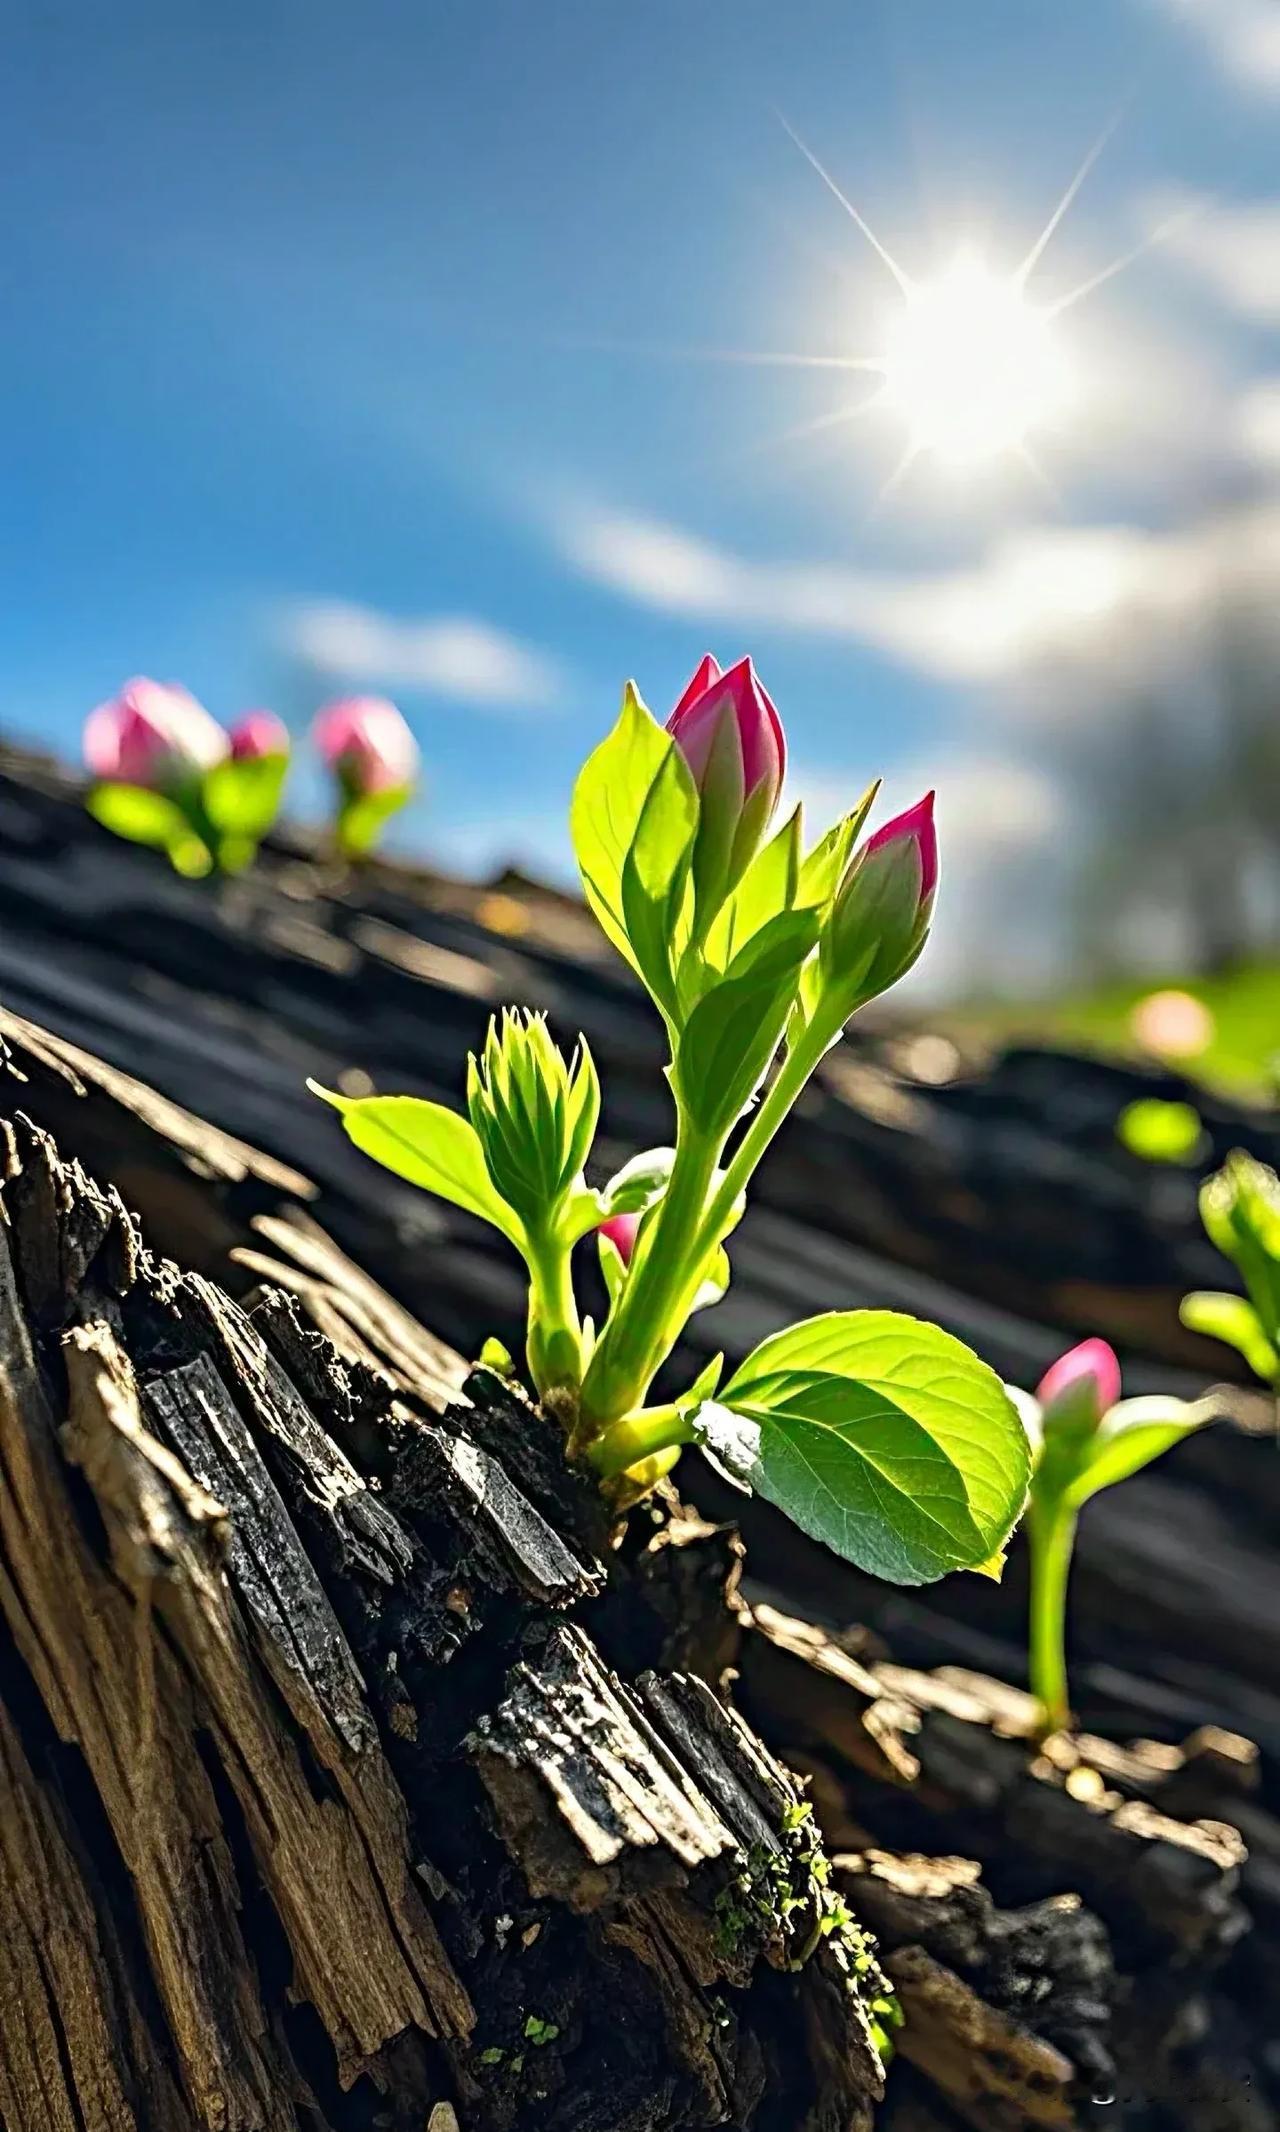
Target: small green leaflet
135,812
1236,1323
881,1436
429,1145
1128,1438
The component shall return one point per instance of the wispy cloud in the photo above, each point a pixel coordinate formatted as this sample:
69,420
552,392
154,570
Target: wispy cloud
1232,247
1036,596
1244,36
1257,418
444,655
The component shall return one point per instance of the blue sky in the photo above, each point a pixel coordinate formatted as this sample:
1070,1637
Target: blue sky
338,351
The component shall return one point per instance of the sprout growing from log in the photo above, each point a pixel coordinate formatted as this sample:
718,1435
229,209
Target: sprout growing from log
1084,1438
882,1436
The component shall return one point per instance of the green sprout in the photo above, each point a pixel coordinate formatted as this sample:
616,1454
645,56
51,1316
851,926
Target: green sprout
1084,1437
882,1436
1240,1209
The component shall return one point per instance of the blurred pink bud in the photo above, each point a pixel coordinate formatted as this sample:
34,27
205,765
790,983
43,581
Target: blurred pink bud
1086,1379
622,1230
712,698
916,824
152,735
365,740
258,733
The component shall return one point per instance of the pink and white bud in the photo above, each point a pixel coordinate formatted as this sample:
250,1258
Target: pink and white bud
622,1231
153,735
367,744
916,826
259,735
1082,1385
714,700
880,920
731,737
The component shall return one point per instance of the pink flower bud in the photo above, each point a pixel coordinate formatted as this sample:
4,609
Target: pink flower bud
732,740
366,742
152,735
711,700
1084,1383
917,824
258,734
622,1230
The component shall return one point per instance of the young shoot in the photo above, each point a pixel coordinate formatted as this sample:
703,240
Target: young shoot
1084,1438
1240,1209
884,1437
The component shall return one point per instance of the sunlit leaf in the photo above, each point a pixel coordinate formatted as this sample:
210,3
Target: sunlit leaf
1129,1437
608,802
135,812
883,1437
655,877
1234,1321
429,1145
736,1028
769,886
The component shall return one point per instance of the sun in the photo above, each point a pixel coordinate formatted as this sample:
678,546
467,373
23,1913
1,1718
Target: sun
973,369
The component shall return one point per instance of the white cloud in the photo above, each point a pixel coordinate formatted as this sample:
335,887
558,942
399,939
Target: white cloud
445,655
1257,417
1231,246
1244,36
1036,597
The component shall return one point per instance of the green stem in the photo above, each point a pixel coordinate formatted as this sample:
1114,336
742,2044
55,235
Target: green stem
554,1346
638,1437
1051,1531
646,1321
770,1115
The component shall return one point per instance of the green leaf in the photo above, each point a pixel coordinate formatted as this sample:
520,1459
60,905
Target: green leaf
884,1437
1236,1323
769,886
824,869
362,818
1159,1131
655,878
1240,1209
735,1029
1128,1438
135,812
242,796
608,802
703,1386
429,1145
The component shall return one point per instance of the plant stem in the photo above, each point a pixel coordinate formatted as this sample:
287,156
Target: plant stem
647,1320
554,1345
771,1114
625,1443
1051,1531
